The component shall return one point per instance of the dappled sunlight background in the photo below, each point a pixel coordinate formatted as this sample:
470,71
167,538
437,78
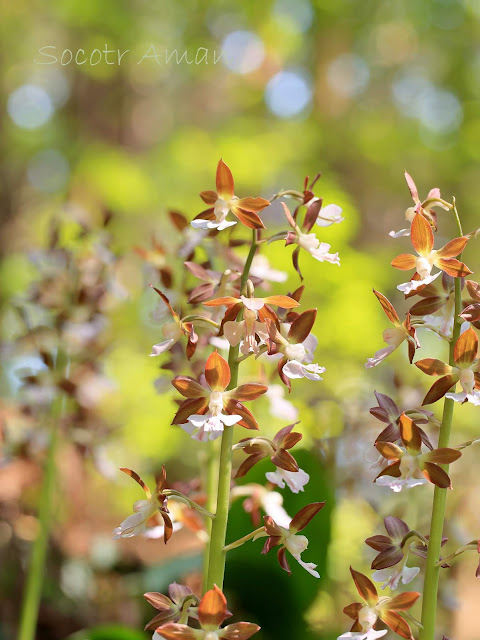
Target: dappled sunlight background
280,89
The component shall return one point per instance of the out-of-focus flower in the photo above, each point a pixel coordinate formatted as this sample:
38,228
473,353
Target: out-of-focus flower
255,313
212,611
259,498
409,466
224,200
444,258
302,237
466,372
176,607
437,305
158,258
390,565
213,282
297,345
202,411
262,269
373,608
288,538
145,509
280,407
287,470
174,330
424,208
394,337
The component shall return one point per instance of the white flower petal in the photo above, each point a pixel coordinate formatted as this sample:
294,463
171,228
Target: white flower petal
379,356
412,285
399,234
331,214
161,347
308,566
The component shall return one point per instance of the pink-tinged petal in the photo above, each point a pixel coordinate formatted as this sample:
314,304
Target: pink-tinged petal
209,197
303,517
188,387
308,566
412,187
137,479
161,347
471,313
178,592
388,308
224,181
254,304
174,631
379,356
396,528
288,215
408,288
433,367
252,204
217,372
421,235
365,587
234,332
404,262
466,348
239,631
158,600
212,609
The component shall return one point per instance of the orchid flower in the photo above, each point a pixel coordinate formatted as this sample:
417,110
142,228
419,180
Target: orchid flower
173,331
373,608
444,258
176,607
466,372
224,200
437,305
212,612
409,466
424,208
288,538
202,413
395,336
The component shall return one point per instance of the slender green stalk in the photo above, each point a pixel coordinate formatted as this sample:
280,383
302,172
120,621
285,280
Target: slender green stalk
35,576
211,480
249,536
432,569
217,554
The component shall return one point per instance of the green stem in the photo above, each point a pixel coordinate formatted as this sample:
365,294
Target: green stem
238,543
35,576
432,569
217,554
211,479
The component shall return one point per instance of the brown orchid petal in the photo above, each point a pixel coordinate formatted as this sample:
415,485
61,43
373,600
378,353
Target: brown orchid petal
396,528
209,197
201,293
247,218
227,301
158,600
224,181
453,267
178,220
166,301
365,587
388,406
192,406
271,527
288,215
198,271
303,517
282,560
433,367
412,187
356,626
421,235
291,440
284,460
295,262
393,470
212,609
453,248
404,262
391,433
388,308
174,631
217,372
387,558
188,387
471,313
233,407
302,326
285,379
249,463
281,301
238,631
253,204
208,214
403,601
311,215
410,434
427,306
266,313
466,348
247,392
230,315
137,479
444,455
389,450
440,388
163,618
473,289
436,475
379,542
168,526
280,436
396,623
352,610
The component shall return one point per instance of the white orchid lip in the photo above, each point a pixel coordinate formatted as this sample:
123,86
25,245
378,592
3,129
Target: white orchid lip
295,352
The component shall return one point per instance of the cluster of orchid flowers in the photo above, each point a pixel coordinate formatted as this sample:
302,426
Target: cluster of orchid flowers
407,457
269,328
